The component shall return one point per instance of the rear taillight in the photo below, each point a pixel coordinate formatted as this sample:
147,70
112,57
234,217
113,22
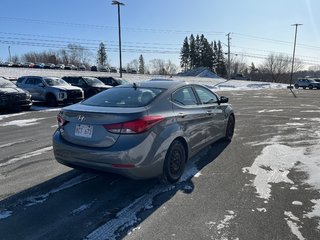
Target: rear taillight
135,126
61,121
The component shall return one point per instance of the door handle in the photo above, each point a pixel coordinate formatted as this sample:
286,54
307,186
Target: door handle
182,115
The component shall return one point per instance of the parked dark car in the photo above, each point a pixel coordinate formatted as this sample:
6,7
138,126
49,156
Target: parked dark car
113,70
12,97
89,85
94,68
143,130
82,68
38,65
113,81
60,66
103,69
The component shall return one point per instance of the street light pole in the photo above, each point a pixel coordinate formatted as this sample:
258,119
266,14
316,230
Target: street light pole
119,28
9,53
229,64
294,51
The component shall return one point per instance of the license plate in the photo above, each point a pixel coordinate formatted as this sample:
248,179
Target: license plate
84,130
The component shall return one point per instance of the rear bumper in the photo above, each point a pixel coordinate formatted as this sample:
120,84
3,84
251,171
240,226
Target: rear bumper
146,163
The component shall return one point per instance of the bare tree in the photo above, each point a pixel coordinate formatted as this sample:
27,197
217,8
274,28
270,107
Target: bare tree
238,64
277,66
161,67
134,64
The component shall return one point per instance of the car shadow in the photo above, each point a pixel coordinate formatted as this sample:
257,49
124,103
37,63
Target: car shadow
93,203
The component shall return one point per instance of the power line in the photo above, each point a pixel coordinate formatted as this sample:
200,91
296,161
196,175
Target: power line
93,26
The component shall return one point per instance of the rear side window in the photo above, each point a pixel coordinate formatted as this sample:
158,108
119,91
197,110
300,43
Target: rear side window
184,97
124,97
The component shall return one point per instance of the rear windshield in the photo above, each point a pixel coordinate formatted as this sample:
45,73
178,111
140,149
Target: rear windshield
124,97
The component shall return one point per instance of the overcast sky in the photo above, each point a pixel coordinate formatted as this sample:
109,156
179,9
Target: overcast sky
156,29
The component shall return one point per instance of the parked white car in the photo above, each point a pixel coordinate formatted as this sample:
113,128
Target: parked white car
52,90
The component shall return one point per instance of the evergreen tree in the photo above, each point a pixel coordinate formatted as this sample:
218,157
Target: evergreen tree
220,67
102,55
141,65
185,55
192,52
215,57
197,52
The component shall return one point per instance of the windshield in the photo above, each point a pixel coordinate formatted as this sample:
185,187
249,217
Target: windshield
124,97
6,83
93,81
123,81
55,81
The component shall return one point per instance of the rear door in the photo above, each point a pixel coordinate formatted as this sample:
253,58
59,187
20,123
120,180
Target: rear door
193,119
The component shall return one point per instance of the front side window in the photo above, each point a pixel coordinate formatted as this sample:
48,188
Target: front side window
55,82
206,96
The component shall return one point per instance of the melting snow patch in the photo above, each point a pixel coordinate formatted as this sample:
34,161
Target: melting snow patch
298,203
127,217
22,123
82,208
34,200
5,214
262,209
295,124
26,155
272,166
226,221
316,210
11,115
292,223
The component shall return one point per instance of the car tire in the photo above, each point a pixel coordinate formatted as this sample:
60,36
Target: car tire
230,128
51,100
25,108
174,163
296,86
304,87
310,87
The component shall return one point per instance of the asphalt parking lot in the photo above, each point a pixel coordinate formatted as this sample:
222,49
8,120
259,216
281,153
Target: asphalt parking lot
259,186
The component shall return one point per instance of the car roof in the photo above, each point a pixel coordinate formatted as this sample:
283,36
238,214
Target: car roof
158,83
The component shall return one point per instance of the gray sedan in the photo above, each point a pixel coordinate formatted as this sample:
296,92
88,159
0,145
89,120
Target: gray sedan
144,130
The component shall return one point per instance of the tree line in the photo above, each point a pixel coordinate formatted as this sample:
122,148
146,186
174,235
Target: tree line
198,52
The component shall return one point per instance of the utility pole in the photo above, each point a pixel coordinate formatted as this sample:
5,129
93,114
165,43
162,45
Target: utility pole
9,53
229,65
119,28
294,51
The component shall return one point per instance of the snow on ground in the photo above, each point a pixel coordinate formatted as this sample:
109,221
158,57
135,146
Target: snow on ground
277,160
22,123
213,83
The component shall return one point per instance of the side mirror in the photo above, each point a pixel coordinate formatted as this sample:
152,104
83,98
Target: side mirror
223,99
41,85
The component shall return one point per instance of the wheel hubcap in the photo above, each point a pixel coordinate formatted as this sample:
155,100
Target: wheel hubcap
175,163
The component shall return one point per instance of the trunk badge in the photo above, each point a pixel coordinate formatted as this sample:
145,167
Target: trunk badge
81,118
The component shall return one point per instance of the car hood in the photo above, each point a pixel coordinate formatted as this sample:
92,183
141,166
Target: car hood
66,87
102,86
12,90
